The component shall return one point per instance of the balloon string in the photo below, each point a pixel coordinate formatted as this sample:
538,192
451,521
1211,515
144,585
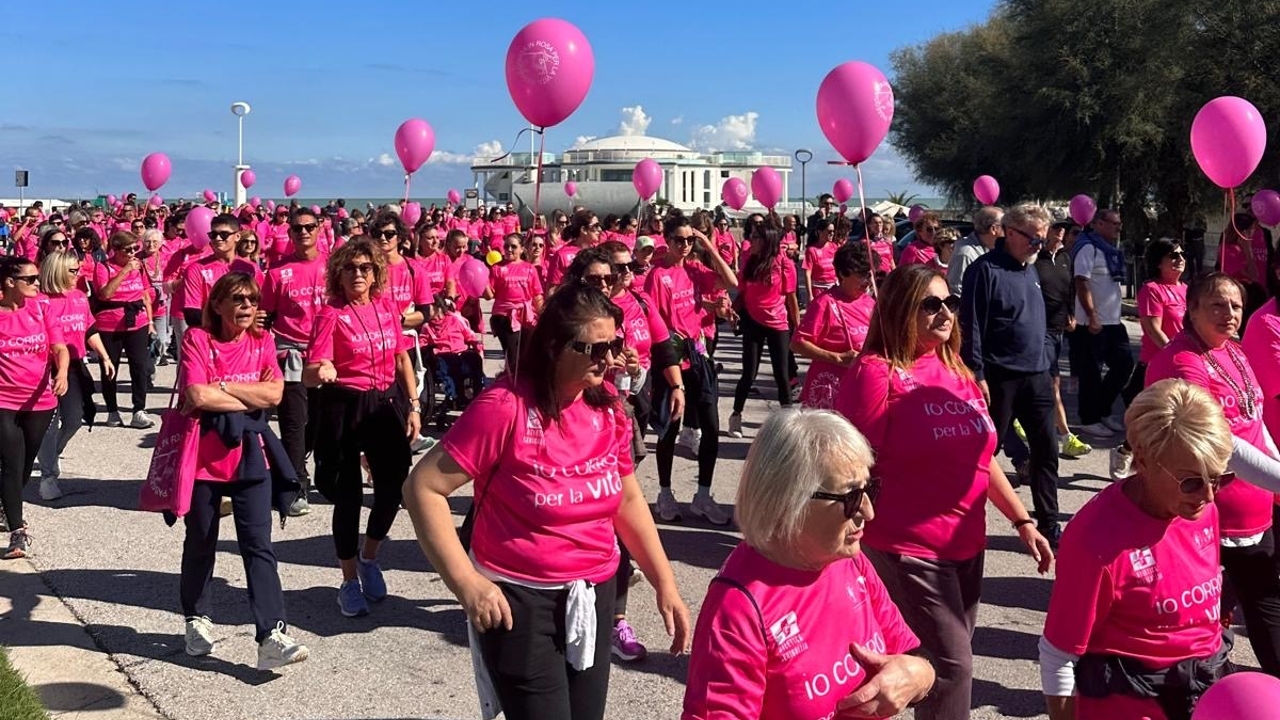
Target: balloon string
407,176
537,180
871,254
514,142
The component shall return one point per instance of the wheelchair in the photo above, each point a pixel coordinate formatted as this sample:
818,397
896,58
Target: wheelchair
444,385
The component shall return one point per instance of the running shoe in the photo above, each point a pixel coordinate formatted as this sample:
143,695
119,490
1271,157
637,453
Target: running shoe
667,507
706,507
372,584
199,636
735,425
625,645
1074,447
279,650
351,600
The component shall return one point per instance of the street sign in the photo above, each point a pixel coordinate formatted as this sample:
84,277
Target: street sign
20,178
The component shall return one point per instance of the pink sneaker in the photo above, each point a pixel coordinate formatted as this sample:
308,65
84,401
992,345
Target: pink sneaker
625,644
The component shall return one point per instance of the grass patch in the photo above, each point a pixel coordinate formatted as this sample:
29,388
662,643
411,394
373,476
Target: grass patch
17,700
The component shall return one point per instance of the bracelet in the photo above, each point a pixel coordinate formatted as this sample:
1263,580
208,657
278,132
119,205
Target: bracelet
677,387
1019,523
416,409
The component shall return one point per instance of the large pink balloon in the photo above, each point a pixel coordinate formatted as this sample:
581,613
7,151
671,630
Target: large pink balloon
766,185
411,213
1228,138
292,185
156,170
454,197
473,276
209,196
734,193
843,190
247,179
1083,208
197,226
549,70
855,107
1240,696
647,178
255,201
916,212
155,201
570,188
414,142
986,189
271,205
112,200
1266,207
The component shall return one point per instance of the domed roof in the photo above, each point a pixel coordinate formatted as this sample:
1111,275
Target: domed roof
644,143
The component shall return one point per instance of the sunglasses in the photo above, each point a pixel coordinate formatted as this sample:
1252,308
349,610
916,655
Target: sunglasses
73,270
129,250
599,280
624,268
28,279
248,243
853,499
1195,483
220,234
1035,241
360,269
243,298
680,241
58,243
388,234
598,351
538,246
307,228
511,248
1177,255
933,304
593,226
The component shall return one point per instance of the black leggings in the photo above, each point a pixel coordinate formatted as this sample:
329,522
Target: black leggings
297,415
509,339
136,345
708,415
21,432
754,339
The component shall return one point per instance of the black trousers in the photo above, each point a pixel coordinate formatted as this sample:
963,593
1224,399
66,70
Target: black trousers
1252,572
251,510
527,663
708,414
1088,354
21,432
755,337
349,423
623,579
135,345
297,433
509,339
1137,383
1028,398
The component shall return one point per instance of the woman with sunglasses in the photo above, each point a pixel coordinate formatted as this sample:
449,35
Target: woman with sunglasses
835,325
247,249
797,621
1138,581
726,244
34,366
228,373
368,403
549,453
536,255
87,246
1162,305
583,231
405,287
517,299
918,405
922,248
124,317
51,241
1206,354
818,266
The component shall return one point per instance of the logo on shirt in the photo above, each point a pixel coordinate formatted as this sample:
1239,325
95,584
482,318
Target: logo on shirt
345,318
786,635
857,592
1203,540
532,428
286,273
1144,564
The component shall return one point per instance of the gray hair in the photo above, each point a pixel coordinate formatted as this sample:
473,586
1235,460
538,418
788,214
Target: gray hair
987,218
795,451
152,234
1025,214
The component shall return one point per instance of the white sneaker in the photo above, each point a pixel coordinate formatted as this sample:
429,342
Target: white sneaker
1097,430
421,443
706,507
735,425
49,489
141,421
279,650
113,420
1115,424
690,438
668,508
1121,463
199,636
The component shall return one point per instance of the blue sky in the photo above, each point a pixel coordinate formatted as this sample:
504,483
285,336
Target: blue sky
91,93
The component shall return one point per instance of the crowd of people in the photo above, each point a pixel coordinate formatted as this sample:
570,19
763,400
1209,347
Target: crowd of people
866,489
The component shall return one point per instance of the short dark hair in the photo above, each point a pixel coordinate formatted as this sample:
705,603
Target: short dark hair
227,219
1157,250
853,259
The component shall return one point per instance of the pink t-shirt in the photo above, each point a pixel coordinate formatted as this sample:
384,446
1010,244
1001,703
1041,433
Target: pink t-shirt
1261,345
200,277
918,253
1232,258
175,271
436,271
515,285
274,240
836,324
294,290
725,245
1168,304
675,291
27,336
406,287
933,441
1243,509
546,490
360,340
766,300
642,326
819,260
510,224
798,665
560,261
884,249
1132,585
450,333
131,289
71,309
207,361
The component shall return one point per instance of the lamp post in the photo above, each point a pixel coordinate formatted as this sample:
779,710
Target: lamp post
803,156
240,109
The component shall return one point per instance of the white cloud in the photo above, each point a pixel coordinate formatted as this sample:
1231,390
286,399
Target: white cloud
582,140
385,160
484,151
733,132
678,120
489,150
634,121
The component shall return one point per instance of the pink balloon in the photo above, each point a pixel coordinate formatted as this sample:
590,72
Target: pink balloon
292,185
414,142
1228,138
647,178
255,201
454,197
209,196
1083,208
986,189
271,205
197,226
112,200
855,107
1240,696
156,170
916,212
571,188
155,201
549,70
1266,207
766,185
315,209
247,179
734,193
411,213
843,190
474,277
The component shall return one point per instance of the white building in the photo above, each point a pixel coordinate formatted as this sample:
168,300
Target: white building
602,170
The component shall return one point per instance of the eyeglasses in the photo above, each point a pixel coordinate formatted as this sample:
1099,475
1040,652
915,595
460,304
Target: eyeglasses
624,268
358,269
1177,255
1035,241
248,243
602,281
1195,483
598,351
131,249
243,298
853,499
304,228
57,242
511,248
28,279
537,245
680,241
933,304
388,234
220,234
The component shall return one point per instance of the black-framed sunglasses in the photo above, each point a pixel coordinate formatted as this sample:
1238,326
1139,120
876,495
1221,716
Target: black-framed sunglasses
307,228
601,281
242,298
598,351
1035,241
1177,255
680,241
632,267
220,234
387,234
933,304
28,279
853,499
1195,483
358,269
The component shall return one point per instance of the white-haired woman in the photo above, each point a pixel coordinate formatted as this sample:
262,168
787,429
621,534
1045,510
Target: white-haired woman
766,644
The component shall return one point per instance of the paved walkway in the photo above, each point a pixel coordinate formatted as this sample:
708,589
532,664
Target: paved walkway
99,633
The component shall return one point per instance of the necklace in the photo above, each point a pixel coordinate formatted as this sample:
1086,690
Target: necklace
1244,395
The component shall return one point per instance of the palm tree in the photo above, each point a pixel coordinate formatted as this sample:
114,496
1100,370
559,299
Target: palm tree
900,198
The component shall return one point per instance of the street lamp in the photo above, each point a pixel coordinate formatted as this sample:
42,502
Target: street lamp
240,109
803,157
